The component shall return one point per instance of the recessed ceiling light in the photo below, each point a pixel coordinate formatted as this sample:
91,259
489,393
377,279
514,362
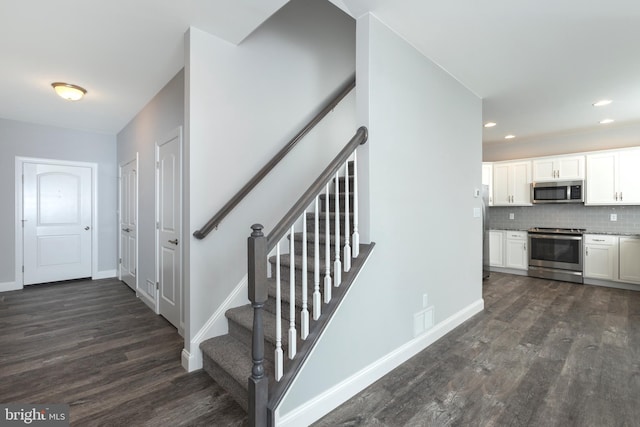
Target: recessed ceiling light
606,121
68,91
509,137
602,103
489,124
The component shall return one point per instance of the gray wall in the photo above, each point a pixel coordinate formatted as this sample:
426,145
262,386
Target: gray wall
161,115
424,162
593,218
48,142
243,104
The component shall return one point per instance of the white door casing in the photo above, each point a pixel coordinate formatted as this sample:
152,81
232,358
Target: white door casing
57,221
169,226
128,223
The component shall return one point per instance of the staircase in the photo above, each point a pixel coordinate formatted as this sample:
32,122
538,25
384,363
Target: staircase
228,358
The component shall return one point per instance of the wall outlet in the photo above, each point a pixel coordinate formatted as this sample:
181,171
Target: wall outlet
512,216
614,217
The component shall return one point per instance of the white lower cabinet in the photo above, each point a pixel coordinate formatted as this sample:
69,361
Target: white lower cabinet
600,256
614,258
496,248
629,248
516,255
508,249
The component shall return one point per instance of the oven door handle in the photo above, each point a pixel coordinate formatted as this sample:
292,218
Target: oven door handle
554,236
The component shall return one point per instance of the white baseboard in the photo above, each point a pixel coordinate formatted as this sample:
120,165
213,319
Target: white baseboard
188,360
10,286
147,299
216,325
324,403
105,274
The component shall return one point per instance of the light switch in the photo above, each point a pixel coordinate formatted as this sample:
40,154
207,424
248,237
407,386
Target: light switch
477,212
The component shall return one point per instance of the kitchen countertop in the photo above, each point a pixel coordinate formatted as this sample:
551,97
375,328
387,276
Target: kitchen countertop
606,233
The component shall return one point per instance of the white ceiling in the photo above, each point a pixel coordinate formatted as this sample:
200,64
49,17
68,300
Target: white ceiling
538,65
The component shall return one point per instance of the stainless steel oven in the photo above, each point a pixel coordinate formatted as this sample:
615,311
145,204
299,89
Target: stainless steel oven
556,253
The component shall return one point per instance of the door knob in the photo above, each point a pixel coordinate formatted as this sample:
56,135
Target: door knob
126,230
175,242
87,227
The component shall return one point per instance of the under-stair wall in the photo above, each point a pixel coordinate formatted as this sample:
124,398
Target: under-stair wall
423,164
243,103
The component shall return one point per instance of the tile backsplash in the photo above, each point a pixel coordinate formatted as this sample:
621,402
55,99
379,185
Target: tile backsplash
593,218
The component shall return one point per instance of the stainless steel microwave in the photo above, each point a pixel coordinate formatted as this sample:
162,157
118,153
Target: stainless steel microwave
557,192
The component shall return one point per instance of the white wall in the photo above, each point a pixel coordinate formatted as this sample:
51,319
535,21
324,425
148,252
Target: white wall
48,142
244,103
424,163
160,116
602,138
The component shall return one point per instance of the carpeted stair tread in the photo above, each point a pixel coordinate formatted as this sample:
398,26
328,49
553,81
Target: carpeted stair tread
311,238
285,295
229,362
285,261
243,316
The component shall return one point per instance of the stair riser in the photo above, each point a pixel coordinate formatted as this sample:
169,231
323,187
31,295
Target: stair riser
284,274
332,201
237,391
245,336
332,227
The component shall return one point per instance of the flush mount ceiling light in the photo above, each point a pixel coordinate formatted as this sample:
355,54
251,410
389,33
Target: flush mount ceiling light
606,121
602,103
68,91
509,137
489,124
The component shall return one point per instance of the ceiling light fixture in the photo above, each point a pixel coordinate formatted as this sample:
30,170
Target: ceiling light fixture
489,124
606,121
68,91
509,136
602,103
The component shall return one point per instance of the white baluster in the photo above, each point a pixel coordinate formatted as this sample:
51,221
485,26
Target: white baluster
355,238
292,297
327,249
304,314
337,265
347,248
278,353
317,303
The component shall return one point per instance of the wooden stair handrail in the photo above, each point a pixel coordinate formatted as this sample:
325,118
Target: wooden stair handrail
305,200
249,186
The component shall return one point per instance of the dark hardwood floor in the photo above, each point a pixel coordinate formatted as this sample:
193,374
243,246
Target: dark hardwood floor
542,353
95,346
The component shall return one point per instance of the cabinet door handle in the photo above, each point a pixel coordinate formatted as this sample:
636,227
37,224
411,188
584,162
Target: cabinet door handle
524,246
586,251
126,230
175,242
621,196
616,195
598,240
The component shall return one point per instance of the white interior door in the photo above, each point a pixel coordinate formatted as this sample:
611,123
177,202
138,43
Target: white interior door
169,224
128,224
57,218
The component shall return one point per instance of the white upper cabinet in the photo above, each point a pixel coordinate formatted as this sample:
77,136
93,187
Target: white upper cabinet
613,178
558,168
512,183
